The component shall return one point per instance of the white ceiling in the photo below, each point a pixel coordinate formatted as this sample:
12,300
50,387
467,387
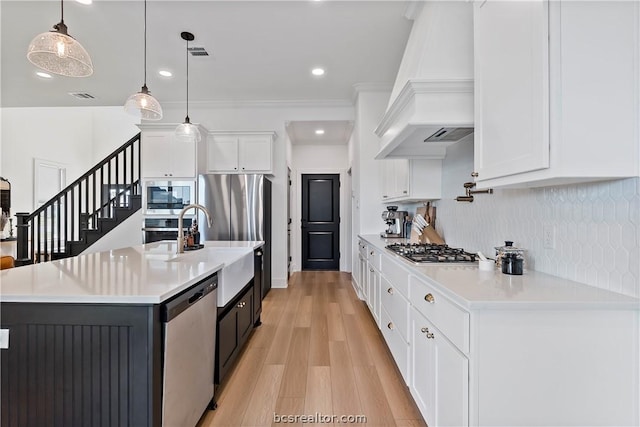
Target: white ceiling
259,50
335,132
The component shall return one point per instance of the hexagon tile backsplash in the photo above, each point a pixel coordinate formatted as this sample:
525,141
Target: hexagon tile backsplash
596,228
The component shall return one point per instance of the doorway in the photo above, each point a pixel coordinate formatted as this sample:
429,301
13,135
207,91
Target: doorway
320,221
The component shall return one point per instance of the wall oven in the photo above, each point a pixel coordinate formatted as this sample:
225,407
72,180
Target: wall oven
168,197
157,229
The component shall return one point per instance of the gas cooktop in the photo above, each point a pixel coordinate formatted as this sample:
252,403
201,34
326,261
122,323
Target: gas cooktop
425,252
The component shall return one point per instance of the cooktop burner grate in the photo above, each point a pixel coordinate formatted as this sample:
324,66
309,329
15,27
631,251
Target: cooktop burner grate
424,252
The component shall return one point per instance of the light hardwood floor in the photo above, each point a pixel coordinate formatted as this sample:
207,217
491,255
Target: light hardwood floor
318,351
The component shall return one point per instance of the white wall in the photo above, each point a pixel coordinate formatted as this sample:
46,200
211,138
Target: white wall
75,137
332,159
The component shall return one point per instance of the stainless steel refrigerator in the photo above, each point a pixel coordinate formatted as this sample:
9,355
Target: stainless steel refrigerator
240,206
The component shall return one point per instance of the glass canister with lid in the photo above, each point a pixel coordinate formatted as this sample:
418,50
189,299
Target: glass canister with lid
509,258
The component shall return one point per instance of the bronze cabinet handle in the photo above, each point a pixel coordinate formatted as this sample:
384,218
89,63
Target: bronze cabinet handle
390,291
390,325
429,298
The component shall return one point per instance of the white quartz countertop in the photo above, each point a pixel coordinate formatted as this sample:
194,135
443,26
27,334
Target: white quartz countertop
471,288
144,274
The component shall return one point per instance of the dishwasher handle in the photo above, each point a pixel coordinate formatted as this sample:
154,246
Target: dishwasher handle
176,305
195,297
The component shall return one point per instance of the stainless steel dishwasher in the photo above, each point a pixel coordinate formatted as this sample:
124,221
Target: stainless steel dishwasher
189,354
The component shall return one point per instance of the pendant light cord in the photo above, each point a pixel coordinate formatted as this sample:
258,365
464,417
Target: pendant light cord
145,42
62,11
187,52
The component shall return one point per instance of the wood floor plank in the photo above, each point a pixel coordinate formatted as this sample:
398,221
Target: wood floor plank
264,397
372,397
318,394
345,397
287,407
294,379
303,317
356,340
335,322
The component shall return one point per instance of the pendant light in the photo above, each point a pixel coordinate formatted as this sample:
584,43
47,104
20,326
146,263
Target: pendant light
59,53
142,103
187,131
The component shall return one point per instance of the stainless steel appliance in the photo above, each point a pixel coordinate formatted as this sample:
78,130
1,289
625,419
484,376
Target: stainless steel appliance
426,252
240,206
168,197
189,354
156,229
395,220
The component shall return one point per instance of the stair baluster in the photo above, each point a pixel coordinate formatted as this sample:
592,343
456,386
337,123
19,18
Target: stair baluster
85,210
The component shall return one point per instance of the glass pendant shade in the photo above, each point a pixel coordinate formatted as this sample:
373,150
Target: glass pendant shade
144,104
187,131
59,53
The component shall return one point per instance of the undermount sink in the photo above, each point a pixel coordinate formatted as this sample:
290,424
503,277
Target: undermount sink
236,273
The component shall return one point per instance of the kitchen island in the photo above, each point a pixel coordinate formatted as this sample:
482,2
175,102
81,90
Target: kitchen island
85,334
485,348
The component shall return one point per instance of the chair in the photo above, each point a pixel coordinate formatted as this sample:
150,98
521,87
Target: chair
7,261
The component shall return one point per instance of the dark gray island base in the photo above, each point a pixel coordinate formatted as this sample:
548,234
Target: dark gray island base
98,360
81,365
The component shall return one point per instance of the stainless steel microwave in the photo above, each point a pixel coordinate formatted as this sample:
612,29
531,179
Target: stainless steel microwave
168,197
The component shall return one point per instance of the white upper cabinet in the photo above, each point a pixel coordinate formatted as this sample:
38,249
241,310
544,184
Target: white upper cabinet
240,152
410,180
164,157
555,92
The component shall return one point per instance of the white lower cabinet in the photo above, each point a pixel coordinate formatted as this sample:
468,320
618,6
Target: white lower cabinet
439,380
373,292
398,346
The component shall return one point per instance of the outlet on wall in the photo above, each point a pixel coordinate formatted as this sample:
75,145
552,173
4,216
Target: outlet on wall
549,236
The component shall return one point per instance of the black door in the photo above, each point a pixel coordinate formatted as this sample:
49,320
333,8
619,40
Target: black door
320,222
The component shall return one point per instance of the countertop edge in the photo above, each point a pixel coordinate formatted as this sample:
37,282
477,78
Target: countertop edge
625,302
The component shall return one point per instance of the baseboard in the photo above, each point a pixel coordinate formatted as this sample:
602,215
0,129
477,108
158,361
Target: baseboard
279,283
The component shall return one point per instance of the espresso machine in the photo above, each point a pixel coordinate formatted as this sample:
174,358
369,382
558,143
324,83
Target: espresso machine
395,220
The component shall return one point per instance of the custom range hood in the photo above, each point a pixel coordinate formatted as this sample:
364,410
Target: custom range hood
431,105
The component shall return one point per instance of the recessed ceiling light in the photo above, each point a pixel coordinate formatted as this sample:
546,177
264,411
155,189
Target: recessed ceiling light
165,73
319,131
317,71
85,1
43,75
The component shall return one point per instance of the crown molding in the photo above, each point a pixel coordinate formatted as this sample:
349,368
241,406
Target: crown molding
369,87
324,103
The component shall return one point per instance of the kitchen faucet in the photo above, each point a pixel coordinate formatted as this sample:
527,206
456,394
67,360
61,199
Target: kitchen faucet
181,228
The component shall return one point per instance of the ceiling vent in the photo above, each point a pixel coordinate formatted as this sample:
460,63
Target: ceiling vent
198,51
81,95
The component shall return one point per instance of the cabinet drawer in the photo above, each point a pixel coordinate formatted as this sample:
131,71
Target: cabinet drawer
395,274
396,306
452,321
374,256
397,345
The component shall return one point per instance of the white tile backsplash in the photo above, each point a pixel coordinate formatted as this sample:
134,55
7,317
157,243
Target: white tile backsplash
597,229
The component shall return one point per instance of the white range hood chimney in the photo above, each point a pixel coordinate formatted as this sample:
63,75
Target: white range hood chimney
431,105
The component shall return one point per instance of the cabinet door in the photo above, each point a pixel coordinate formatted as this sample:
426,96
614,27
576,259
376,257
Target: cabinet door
227,343
254,154
245,316
181,158
162,156
439,375
155,162
373,297
401,177
511,87
222,153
